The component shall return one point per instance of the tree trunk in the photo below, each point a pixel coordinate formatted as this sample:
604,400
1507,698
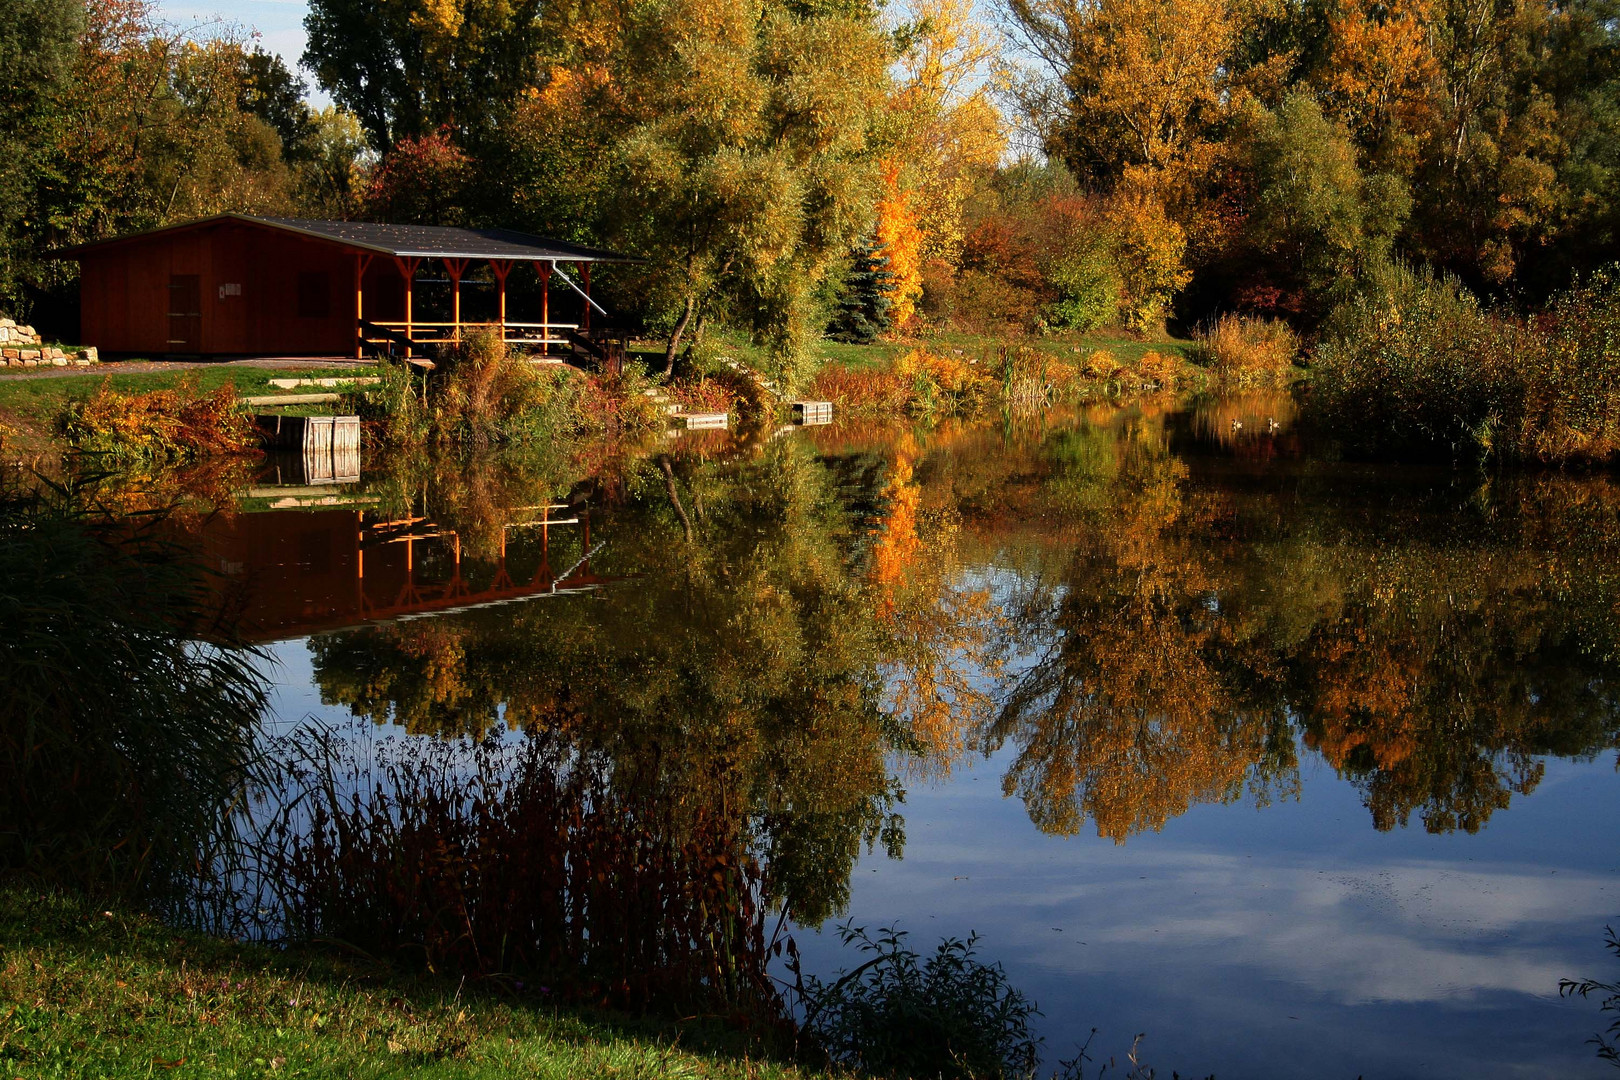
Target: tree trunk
675,338
675,495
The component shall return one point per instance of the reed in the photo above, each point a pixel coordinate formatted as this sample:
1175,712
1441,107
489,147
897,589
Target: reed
127,727
530,860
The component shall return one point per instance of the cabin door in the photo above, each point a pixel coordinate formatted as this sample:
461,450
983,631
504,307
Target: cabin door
185,313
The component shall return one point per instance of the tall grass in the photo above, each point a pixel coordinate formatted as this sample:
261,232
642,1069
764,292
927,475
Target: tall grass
482,394
529,859
124,740
1246,351
1014,377
1416,365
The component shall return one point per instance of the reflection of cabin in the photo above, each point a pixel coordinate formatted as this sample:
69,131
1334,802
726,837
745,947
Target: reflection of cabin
235,284
288,574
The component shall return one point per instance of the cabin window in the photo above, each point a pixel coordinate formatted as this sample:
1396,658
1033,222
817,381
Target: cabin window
314,295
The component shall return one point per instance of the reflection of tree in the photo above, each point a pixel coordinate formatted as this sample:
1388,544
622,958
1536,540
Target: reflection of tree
1429,649
1442,676
740,667
940,634
1134,709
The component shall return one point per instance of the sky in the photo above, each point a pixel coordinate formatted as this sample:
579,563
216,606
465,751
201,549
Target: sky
279,24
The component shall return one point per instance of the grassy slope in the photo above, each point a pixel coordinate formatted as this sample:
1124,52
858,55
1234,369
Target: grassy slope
29,406
879,354
91,993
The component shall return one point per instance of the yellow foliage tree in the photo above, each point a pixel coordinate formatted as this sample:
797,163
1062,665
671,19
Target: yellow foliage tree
900,237
1148,249
1137,82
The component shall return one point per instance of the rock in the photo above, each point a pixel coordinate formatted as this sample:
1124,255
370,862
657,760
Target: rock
6,324
30,363
79,361
27,332
59,361
91,354
31,354
11,354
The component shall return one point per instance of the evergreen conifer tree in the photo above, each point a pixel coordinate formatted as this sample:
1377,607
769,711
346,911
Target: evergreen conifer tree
863,302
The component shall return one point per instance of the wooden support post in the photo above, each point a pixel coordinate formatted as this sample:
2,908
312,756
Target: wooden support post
360,264
544,270
455,268
500,268
407,267
585,275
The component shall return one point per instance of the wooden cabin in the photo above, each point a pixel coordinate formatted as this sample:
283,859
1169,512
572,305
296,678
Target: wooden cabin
236,285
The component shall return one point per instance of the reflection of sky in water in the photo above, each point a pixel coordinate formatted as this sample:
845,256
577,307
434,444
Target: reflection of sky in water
1293,940
1289,941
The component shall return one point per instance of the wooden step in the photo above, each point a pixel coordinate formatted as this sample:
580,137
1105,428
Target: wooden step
292,399
293,384
694,420
812,412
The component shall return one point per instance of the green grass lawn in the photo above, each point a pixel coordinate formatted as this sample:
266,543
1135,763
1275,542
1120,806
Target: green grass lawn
91,993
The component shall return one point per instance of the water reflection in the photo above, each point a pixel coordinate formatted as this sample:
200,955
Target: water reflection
1134,611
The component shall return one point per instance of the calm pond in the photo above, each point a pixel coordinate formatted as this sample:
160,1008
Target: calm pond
1299,767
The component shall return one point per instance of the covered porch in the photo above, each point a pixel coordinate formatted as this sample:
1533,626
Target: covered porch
417,286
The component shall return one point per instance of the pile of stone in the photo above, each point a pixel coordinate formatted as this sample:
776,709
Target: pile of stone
21,347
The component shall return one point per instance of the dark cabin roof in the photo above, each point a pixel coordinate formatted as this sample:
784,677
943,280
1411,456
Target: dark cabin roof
405,241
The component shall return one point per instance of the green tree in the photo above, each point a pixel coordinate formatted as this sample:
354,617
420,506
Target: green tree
406,68
1315,216
38,40
863,300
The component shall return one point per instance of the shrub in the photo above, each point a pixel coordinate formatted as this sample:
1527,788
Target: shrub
1148,247
1102,364
1244,350
619,402
159,425
484,393
897,1015
392,410
1088,287
1158,370
1415,364
1572,395
941,384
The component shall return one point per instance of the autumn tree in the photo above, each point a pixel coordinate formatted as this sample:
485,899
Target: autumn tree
421,181
1126,82
747,161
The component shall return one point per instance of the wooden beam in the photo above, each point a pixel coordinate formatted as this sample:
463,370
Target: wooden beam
360,264
544,270
500,268
407,267
455,268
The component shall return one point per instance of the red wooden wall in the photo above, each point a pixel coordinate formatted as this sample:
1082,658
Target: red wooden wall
248,281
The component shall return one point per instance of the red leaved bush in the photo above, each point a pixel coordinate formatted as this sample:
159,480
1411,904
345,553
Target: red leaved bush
159,425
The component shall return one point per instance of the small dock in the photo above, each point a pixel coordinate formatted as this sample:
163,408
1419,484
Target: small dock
693,421
309,434
811,413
